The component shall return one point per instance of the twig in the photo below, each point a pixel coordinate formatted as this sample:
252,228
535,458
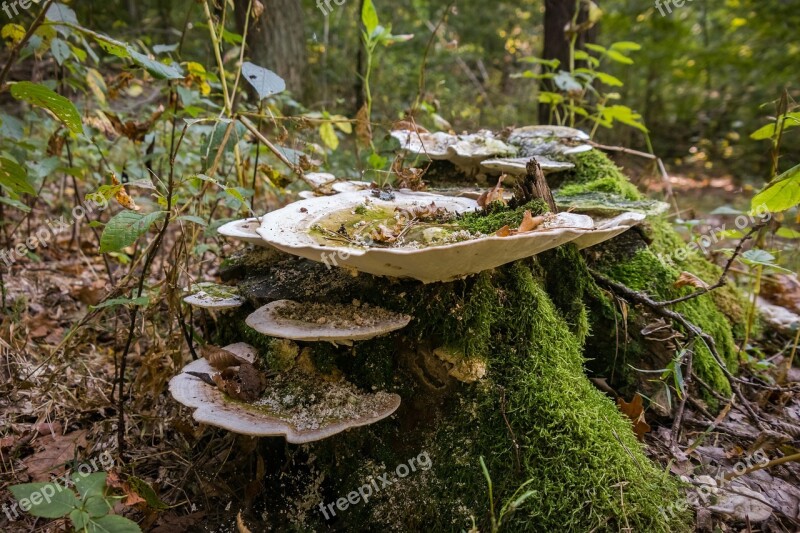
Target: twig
676,424
692,330
15,51
510,430
723,279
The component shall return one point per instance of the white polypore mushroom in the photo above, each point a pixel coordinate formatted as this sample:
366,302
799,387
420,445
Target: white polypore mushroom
292,230
319,411
243,230
214,297
518,166
553,141
339,324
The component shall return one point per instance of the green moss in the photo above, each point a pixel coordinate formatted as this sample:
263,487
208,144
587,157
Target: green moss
498,216
566,278
645,272
535,418
595,172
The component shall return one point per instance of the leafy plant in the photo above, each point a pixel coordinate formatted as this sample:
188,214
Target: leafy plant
512,504
88,510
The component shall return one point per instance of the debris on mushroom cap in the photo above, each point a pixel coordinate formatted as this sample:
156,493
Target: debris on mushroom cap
212,296
517,166
350,186
336,323
465,369
292,230
607,229
553,141
243,230
297,406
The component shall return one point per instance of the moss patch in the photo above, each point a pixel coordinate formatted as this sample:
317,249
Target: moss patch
498,216
595,172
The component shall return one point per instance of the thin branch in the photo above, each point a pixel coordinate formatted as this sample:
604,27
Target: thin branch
15,51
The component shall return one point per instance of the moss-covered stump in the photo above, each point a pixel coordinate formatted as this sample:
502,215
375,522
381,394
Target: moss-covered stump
534,416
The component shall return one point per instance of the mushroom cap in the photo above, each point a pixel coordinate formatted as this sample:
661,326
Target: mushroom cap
268,320
551,141
607,229
517,166
243,230
213,296
350,186
607,205
289,230
214,408
319,179
462,150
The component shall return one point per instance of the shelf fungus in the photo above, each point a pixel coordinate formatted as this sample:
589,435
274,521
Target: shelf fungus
243,230
214,297
517,166
298,406
464,151
551,141
403,234
335,323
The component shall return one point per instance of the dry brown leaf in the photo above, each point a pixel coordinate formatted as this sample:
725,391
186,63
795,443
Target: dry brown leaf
258,9
530,223
407,125
220,359
687,278
122,196
56,452
135,131
505,231
635,411
492,195
245,383
240,524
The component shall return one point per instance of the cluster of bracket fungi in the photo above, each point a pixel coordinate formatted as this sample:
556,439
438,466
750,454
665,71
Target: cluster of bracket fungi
299,403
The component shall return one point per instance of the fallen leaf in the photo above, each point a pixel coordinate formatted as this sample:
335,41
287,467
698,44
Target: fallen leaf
635,411
219,358
505,231
56,452
530,223
687,278
240,524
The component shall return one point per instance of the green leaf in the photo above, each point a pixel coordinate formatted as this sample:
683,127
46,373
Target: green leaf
369,16
90,485
191,218
614,55
265,82
125,51
61,13
114,302
328,135
14,178
788,233
97,506
16,204
626,46
596,48
60,50
608,79
47,500
123,230
41,96
782,193
143,489
112,524
79,519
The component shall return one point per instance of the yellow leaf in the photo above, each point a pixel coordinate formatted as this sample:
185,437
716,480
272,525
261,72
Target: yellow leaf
122,196
328,135
96,84
13,32
342,123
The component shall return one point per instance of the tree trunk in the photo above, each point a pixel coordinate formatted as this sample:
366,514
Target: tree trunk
557,14
276,40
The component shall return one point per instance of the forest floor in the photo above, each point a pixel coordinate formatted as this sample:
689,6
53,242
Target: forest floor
57,411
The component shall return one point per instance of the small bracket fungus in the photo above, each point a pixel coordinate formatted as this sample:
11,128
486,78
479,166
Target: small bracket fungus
338,324
214,297
464,151
299,407
551,141
243,230
608,229
517,166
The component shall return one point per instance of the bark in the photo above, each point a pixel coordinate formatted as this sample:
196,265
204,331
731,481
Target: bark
276,40
559,13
